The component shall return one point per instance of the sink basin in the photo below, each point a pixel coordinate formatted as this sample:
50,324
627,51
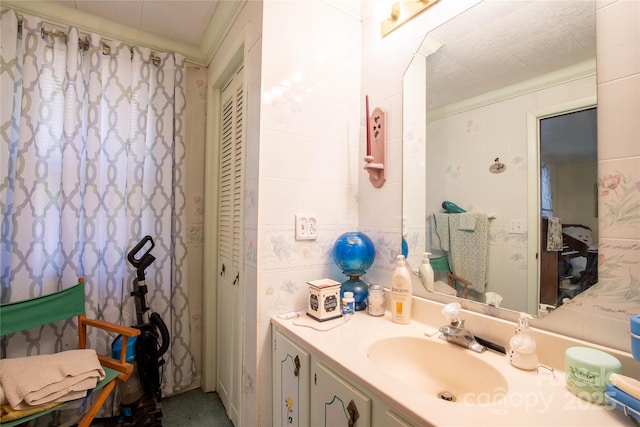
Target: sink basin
439,368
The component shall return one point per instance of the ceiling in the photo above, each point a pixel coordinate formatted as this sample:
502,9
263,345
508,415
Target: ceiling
503,42
511,47
194,28
184,21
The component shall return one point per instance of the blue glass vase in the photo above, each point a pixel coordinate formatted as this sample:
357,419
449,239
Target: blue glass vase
354,253
360,291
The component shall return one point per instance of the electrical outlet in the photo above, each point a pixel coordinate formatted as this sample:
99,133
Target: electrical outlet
517,226
306,227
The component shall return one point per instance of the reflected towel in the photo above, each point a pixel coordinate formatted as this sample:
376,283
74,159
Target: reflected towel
467,222
469,250
554,234
59,377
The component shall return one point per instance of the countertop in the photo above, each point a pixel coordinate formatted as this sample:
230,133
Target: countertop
533,398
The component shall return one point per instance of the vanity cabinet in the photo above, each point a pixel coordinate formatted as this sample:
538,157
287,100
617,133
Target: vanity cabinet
335,402
291,375
307,391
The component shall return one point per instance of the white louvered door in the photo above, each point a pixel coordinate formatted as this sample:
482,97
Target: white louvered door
230,239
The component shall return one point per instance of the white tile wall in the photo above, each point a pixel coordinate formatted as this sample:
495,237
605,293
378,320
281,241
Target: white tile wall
618,28
309,156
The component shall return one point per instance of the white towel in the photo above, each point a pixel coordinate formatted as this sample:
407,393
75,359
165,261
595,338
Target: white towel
60,377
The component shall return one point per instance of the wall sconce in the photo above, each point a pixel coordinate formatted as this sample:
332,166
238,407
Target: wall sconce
376,158
402,11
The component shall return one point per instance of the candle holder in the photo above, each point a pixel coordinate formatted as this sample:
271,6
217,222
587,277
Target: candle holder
376,158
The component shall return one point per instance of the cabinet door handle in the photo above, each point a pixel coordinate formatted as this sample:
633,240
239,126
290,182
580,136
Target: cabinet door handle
222,270
353,413
237,279
296,362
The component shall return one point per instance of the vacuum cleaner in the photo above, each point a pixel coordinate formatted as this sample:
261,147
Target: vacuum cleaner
140,396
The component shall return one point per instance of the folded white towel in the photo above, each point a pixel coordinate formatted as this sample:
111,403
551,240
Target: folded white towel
36,380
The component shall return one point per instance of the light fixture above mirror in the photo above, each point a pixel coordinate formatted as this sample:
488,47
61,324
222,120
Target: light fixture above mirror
402,11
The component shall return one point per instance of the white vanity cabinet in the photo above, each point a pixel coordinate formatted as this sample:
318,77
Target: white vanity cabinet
307,391
335,402
291,375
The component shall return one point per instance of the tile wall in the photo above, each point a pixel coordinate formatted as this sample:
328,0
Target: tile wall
309,154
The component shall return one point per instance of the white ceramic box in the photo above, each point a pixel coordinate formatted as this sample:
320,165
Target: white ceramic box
324,299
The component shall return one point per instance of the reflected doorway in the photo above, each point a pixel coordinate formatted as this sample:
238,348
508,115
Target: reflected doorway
568,205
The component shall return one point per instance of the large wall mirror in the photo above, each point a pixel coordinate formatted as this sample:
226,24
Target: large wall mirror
499,118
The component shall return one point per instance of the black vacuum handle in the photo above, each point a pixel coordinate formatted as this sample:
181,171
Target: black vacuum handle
143,261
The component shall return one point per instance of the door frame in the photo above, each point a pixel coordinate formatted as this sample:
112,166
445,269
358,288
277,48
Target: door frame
533,189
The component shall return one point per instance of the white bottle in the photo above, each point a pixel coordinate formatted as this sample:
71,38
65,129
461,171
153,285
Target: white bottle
348,304
426,272
401,292
522,347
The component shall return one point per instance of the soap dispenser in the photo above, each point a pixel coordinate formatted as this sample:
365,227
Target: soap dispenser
426,272
522,347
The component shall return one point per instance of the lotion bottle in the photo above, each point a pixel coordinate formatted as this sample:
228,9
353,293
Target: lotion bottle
401,292
426,272
522,347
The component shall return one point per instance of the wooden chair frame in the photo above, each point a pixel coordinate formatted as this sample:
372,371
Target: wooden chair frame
67,304
453,278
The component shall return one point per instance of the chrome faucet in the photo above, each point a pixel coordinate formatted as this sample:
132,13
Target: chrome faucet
455,332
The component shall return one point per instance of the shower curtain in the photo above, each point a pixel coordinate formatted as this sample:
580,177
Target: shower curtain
92,160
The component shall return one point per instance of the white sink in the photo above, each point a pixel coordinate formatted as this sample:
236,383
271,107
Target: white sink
439,368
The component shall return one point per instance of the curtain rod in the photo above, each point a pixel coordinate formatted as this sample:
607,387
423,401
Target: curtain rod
84,44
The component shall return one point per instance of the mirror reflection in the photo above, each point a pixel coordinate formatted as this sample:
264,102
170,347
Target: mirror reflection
508,92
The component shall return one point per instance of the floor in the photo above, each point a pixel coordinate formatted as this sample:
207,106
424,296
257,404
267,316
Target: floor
194,408
190,409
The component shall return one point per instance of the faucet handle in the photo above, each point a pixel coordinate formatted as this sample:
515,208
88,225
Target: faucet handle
452,312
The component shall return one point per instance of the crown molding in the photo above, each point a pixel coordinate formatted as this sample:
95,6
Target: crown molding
558,77
60,15
221,22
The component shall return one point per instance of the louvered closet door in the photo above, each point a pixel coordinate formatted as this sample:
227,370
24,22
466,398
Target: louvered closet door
230,226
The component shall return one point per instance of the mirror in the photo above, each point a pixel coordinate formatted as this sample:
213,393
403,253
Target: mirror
486,81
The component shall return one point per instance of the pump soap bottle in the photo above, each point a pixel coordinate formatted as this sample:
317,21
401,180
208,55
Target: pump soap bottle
401,292
426,272
522,347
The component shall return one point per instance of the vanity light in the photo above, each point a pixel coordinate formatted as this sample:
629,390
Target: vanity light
402,11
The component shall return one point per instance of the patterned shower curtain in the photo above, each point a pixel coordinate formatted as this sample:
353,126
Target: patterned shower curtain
92,160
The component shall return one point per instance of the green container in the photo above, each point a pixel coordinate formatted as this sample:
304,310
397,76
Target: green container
587,372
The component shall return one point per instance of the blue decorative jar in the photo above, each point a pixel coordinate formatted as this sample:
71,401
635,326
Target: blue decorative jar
354,253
